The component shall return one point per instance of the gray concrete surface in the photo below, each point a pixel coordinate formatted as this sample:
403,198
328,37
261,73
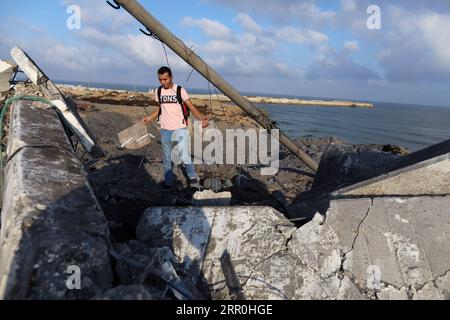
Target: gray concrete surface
6,71
50,219
382,248
429,177
389,248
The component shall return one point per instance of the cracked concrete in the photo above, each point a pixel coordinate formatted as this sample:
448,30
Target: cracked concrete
360,250
264,247
253,236
405,258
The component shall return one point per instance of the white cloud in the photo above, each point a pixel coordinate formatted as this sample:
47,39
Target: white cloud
285,11
209,27
139,49
417,46
25,25
101,16
351,45
252,54
243,55
349,5
435,29
300,35
248,23
330,64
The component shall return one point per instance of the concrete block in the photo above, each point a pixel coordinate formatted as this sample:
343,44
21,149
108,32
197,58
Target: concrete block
255,237
394,247
6,71
430,177
50,220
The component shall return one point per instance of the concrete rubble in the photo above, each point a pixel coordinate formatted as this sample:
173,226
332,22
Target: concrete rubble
374,245
388,248
50,218
211,198
426,172
255,237
51,92
370,246
373,223
6,70
382,248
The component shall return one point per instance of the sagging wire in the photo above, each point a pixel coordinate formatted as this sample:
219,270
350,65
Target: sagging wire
190,73
148,33
165,52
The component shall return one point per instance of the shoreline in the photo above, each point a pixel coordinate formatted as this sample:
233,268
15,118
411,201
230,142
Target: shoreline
253,99
293,101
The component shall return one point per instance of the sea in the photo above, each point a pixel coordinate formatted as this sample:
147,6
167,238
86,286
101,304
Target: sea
411,126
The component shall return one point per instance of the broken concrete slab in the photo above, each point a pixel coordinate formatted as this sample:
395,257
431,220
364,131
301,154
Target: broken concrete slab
143,254
34,127
199,236
211,198
50,220
6,70
366,171
390,248
344,165
363,171
258,240
429,177
49,89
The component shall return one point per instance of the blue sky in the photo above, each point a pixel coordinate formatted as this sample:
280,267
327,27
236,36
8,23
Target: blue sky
296,47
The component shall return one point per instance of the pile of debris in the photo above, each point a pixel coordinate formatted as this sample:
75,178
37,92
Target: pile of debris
372,223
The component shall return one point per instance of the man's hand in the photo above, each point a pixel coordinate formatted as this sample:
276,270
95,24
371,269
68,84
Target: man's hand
147,119
205,122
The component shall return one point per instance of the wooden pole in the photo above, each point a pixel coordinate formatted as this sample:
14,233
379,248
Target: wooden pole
163,34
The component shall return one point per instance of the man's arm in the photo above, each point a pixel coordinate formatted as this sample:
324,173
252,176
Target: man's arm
152,117
197,113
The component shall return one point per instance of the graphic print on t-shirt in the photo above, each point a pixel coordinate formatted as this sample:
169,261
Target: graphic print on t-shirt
169,99
171,117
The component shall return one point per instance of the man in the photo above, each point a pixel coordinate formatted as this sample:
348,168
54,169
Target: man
173,122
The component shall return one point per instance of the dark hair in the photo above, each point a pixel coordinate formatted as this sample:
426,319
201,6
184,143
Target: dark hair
163,70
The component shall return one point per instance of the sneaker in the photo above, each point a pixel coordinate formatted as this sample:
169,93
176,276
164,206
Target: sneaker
194,184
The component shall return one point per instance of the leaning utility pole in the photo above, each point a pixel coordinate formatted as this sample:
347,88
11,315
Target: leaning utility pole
157,29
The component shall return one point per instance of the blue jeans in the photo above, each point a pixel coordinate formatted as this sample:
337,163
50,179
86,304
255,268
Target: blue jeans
179,136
